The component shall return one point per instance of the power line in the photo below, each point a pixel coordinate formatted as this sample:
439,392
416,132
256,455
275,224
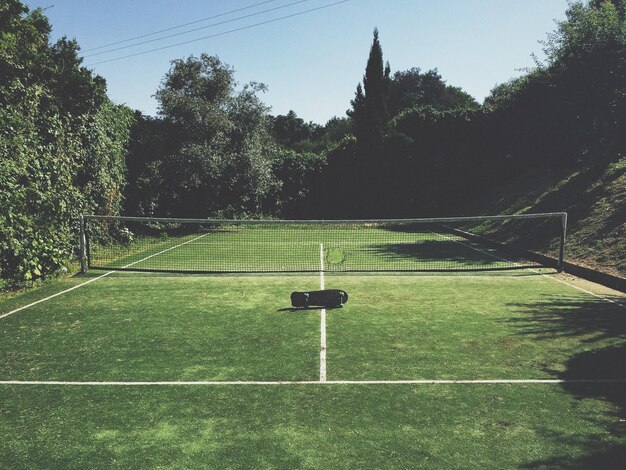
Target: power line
219,34
176,27
196,29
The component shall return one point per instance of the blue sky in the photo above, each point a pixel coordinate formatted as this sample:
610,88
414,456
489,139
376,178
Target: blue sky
310,62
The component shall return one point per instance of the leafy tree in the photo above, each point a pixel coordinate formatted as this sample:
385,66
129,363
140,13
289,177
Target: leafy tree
411,88
444,156
290,130
503,95
66,141
297,174
327,137
293,133
358,113
147,146
570,109
337,128
619,5
219,160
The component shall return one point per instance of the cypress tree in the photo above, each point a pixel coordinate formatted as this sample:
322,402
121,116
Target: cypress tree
369,107
369,115
358,113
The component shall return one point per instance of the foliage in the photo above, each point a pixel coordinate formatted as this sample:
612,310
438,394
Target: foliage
327,137
289,130
297,174
568,111
411,88
293,133
218,156
443,155
102,168
146,148
36,194
62,144
571,109
401,170
214,150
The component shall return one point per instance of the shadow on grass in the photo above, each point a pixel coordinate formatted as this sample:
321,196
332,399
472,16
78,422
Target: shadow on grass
537,234
445,255
600,327
305,309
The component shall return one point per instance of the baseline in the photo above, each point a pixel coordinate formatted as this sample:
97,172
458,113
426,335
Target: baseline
316,382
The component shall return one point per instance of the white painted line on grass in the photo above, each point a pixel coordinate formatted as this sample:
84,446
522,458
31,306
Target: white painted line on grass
606,299
165,251
322,322
54,295
315,382
620,304
95,279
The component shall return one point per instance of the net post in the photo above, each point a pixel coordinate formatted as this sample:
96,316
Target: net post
82,245
562,243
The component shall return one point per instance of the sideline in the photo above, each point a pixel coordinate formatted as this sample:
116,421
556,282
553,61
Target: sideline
96,278
316,382
606,299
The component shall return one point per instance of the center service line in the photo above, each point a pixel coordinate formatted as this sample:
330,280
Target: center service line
322,322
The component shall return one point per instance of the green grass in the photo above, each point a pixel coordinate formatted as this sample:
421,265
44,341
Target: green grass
151,327
308,427
465,327
618,166
169,327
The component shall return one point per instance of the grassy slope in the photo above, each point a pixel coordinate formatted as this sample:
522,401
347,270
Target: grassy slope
595,200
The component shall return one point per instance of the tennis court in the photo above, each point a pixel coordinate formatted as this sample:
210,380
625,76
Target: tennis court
458,356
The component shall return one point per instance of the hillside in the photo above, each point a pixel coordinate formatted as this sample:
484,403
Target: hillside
595,200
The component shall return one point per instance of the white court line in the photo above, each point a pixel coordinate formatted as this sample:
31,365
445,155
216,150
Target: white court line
96,278
619,304
164,251
322,322
316,382
53,295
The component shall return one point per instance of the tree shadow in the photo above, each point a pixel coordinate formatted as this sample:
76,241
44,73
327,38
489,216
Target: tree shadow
446,254
584,185
508,238
597,454
599,326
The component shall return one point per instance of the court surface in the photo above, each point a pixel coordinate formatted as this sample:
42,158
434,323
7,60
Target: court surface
502,369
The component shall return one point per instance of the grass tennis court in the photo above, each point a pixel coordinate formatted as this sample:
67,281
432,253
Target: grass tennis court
165,370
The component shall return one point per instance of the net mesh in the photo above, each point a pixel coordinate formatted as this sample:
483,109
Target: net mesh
455,244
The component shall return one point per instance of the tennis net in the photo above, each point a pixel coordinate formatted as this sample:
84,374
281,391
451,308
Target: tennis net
216,246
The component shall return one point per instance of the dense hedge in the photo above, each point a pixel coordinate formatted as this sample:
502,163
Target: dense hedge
62,146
